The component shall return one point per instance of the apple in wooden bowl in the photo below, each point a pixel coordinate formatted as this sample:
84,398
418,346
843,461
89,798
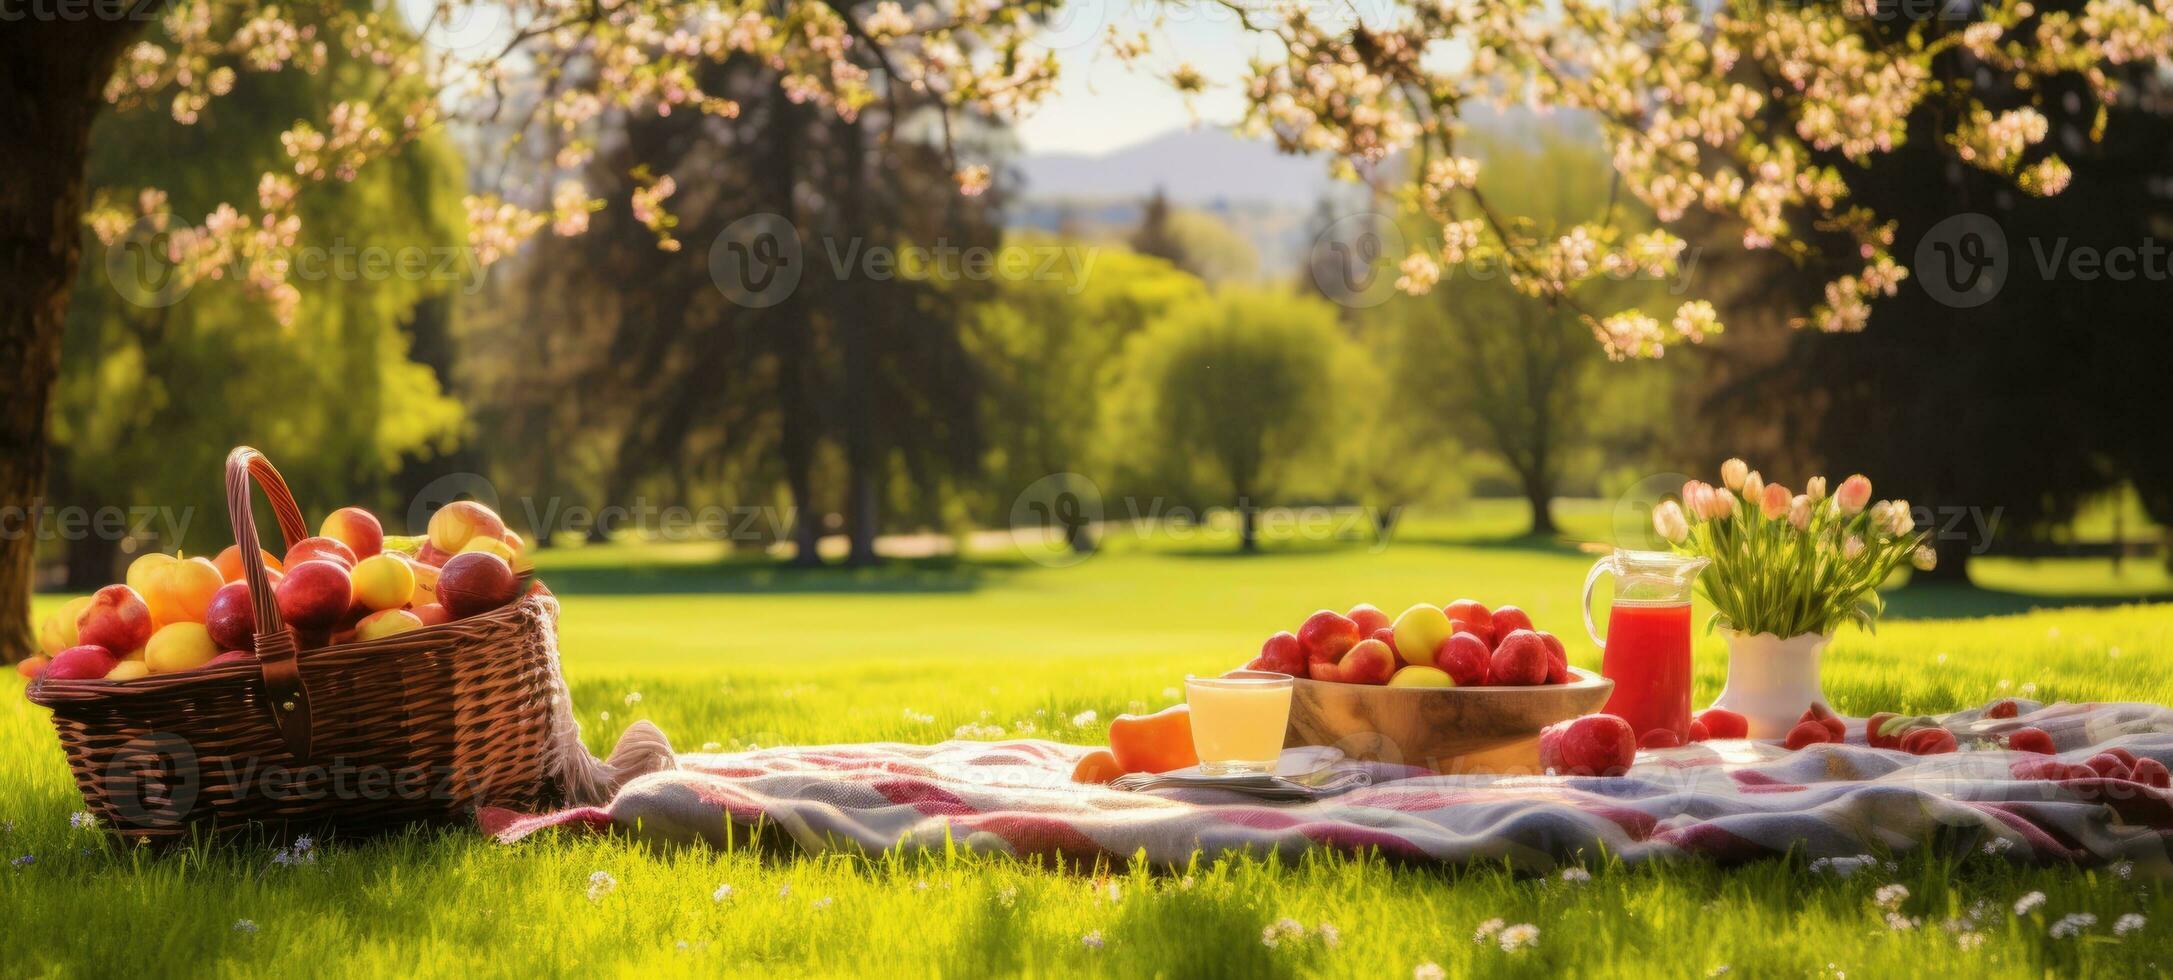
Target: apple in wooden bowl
1474,729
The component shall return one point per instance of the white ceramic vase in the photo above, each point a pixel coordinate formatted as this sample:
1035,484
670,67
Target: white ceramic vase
1771,679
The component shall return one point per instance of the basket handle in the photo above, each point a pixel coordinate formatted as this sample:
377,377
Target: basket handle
288,699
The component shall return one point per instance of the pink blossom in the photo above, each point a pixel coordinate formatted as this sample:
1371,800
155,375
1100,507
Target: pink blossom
1854,493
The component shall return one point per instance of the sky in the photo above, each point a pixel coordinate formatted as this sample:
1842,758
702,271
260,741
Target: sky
1101,104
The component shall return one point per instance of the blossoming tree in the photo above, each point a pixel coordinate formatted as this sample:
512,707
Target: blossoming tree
1753,111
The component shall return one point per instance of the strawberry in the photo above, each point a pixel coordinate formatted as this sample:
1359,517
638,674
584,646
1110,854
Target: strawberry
2030,740
1818,712
1807,733
1928,741
2151,772
2003,709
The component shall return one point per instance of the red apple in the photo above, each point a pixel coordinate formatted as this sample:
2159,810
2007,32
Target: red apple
2151,772
433,614
1463,657
1327,636
84,662
2104,764
1807,733
2003,709
1370,618
1482,634
1557,659
1818,712
315,594
475,582
1471,611
1875,733
1928,741
1388,636
231,619
1509,619
116,619
2030,740
356,528
1520,659
2126,757
1698,732
1280,654
320,549
1723,723
1594,745
1368,662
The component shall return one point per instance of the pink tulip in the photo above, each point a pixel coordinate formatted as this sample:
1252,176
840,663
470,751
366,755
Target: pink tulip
1855,492
1774,501
1799,512
1732,473
1723,506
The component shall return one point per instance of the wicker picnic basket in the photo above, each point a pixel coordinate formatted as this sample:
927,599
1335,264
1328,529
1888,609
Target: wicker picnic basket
354,738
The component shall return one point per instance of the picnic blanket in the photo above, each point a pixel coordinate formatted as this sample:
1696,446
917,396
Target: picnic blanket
1727,801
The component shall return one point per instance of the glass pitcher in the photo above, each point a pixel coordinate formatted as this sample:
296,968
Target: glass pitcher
1646,651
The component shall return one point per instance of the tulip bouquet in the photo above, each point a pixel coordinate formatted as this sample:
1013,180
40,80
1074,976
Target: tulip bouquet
1789,563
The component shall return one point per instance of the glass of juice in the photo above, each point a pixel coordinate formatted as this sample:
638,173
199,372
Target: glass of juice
1238,720
1646,651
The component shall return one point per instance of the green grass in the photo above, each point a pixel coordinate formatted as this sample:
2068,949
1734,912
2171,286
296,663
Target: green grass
741,654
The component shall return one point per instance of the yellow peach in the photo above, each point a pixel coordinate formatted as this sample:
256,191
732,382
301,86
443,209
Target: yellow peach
179,646
490,546
390,622
128,670
57,633
383,581
139,571
456,523
180,591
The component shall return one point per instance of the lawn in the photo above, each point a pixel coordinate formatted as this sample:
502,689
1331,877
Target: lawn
733,654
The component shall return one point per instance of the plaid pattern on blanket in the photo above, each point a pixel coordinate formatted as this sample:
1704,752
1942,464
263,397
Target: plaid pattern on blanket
1723,800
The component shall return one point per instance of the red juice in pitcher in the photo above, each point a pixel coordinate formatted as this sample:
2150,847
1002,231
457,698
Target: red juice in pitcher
1646,651
1647,655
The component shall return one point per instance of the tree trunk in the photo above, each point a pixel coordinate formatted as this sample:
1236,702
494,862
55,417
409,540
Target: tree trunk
1248,535
51,74
863,458
795,352
1540,496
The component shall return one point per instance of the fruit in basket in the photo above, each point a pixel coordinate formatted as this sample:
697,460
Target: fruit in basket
178,647
461,521
1415,676
1327,636
489,546
1592,745
229,562
1158,742
1557,659
1519,659
1370,618
1370,662
321,549
139,571
356,528
1419,632
129,670
476,582
383,581
388,622
1464,657
432,614
1722,723
1473,614
231,620
57,633
178,591
83,662
1098,766
116,619
1509,619
2030,740
1387,636
233,657
314,595
1280,654
29,668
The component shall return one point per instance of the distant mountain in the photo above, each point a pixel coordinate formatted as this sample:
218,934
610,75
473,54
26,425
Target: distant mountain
1195,167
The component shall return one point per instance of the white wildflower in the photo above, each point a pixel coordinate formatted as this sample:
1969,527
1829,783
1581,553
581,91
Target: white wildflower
2131,922
1275,933
2073,924
1330,936
1008,897
1841,867
82,819
245,926
1891,896
1429,970
1092,940
2029,903
1523,935
1969,940
2125,869
633,698
1999,845
1487,930
24,861
822,903
722,894
1901,923
601,884
1576,876
1085,718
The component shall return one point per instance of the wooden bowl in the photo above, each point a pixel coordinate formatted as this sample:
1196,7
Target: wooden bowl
1446,729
